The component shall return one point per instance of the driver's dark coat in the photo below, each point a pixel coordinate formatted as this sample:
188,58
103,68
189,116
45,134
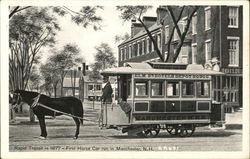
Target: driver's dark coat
107,93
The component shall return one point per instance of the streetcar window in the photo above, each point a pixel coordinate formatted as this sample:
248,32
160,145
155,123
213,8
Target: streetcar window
97,87
141,88
203,88
188,88
157,88
173,89
90,87
129,89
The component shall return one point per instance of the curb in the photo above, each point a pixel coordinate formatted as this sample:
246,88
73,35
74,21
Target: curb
233,126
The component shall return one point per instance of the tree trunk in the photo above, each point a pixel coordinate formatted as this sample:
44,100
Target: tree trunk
55,91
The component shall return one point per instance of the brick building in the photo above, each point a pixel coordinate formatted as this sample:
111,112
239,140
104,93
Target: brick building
215,32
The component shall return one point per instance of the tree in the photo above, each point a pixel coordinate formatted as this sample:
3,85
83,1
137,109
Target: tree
35,79
51,76
86,16
104,58
29,32
66,59
135,13
32,28
119,38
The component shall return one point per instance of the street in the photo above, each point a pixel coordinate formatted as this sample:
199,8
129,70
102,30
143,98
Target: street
24,137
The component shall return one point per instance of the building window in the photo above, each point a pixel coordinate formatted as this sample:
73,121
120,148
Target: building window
233,17
120,55
208,50
194,53
165,55
90,87
231,89
183,55
130,51
166,34
143,47
127,50
138,48
207,18
159,41
135,49
125,53
148,45
152,44
181,25
233,51
194,24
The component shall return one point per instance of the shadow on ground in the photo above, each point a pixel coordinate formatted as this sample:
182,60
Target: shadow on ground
196,134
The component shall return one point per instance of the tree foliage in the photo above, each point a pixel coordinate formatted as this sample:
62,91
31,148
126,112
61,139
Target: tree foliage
59,63
51,76
104,58
32,28
28,33
35,79
86,16
66,59
119,38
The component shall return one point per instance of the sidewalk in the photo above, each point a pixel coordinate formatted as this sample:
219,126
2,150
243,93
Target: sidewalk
234,120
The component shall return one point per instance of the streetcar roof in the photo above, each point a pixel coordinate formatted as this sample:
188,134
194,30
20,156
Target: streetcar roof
148,68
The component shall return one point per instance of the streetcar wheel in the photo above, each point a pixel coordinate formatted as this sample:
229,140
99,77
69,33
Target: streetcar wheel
186,130
150,131
172,130
190,130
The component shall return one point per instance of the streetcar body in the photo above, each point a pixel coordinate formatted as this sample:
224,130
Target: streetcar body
93,91
154,96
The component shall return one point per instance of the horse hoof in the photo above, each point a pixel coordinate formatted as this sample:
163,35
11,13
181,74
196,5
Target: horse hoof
75,138
42,138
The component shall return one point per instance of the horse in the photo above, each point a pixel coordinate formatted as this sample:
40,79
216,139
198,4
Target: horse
69,105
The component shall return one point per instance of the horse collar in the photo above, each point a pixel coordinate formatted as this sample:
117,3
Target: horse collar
36,99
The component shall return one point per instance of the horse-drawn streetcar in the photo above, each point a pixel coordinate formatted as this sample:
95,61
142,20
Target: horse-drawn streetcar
155,96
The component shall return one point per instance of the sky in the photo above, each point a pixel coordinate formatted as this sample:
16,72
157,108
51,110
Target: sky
87,39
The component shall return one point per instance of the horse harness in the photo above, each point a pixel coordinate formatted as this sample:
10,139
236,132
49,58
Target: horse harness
36,103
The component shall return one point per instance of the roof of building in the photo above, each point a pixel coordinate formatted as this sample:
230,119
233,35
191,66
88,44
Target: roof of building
149,18
67,82
141,33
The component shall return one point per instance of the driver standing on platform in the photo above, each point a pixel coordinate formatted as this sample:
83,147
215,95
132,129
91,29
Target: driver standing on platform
106,90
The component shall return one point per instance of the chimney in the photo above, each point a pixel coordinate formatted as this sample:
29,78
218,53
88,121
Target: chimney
161,15
149,21
135,28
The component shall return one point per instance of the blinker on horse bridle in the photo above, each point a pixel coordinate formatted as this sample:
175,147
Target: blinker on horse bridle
19,97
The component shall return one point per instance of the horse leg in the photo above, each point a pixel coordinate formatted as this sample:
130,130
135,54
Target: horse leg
77,127
42,126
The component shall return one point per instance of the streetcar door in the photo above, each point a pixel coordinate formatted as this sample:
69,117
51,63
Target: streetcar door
123,87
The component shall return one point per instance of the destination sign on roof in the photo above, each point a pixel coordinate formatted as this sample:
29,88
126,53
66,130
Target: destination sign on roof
173,76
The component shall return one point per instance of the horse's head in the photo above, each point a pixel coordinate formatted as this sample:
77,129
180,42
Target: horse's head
15,98
19,96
